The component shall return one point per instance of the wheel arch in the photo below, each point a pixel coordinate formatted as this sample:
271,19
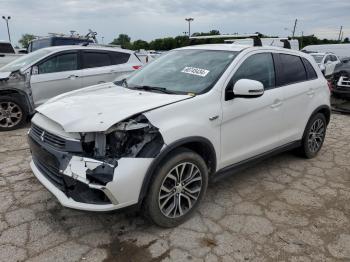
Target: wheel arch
200,145
325,110
20,95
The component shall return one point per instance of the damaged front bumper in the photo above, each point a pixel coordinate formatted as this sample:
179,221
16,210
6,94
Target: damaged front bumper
69,177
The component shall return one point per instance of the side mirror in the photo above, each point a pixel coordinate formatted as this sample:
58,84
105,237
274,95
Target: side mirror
248,88
35,70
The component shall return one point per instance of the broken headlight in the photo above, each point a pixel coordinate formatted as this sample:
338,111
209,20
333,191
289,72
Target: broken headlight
135,137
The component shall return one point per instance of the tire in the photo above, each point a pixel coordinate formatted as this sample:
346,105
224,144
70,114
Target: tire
13,113
159,201
314,136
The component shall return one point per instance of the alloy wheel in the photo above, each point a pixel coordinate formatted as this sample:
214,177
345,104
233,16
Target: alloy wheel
316,135
180,190
10,114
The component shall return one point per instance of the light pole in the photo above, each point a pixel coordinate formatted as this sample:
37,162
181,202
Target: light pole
189,20
7,24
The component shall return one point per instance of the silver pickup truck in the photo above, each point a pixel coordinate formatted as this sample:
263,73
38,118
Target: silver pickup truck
7,53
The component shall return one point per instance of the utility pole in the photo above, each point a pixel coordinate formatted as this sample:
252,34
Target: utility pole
7,24
340,31
189,20
302,38
295,26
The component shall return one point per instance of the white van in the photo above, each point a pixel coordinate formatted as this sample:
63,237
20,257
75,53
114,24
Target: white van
340,50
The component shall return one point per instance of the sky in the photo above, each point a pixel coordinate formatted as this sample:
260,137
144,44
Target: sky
150,19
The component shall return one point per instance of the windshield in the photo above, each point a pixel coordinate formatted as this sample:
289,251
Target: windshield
183,71
25,60
318,58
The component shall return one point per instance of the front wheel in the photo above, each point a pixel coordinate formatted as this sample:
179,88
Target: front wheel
177,188
12,113
314,136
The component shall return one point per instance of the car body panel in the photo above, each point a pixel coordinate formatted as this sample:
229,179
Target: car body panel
94,110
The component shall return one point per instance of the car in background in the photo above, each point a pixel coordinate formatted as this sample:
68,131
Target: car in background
7,53
34,78
340,50
341,79
326,61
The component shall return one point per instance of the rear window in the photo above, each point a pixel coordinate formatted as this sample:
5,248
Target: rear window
119,57
318,58
311,73
96,59
6,48
293,70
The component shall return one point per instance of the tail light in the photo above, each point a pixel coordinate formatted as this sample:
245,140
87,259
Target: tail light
136,67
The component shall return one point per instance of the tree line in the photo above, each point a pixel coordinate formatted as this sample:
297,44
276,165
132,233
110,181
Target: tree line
168,43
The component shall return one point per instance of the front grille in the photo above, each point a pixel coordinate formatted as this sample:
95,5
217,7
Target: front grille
344,81
47,137
51,173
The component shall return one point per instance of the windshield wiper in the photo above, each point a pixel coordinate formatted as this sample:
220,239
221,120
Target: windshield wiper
155,88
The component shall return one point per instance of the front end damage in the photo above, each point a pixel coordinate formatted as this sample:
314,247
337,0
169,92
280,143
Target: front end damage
17,84
99,171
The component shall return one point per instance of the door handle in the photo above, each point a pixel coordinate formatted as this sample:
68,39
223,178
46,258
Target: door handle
72,77
311,92
276,104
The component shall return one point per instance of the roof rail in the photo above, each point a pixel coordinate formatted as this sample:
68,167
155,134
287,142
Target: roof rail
255,37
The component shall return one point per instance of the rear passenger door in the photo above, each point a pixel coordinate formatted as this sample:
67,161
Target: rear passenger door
296,77
97,67
121,66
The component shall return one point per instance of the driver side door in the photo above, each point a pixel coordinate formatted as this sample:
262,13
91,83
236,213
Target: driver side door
251,126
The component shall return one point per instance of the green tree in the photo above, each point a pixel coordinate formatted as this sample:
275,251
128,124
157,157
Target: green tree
140,44
346,40
123,40
25,39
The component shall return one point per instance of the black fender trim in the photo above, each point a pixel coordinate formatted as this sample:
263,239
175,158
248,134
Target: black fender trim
163,154
22,95
322,108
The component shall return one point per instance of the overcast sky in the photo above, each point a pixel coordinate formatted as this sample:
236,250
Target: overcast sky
149,19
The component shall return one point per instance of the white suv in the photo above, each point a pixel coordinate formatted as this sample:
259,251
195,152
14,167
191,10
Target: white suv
194,114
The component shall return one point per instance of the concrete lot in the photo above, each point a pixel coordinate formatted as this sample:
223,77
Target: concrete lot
285,209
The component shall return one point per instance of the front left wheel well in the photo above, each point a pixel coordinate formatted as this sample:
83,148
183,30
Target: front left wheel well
199,145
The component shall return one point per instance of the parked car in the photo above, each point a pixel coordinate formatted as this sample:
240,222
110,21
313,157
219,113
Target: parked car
57,40
32,79
340,50
194,114
326,62
7,53
341,80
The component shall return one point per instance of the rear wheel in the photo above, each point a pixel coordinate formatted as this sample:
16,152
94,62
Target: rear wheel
314,136
177,188
12,113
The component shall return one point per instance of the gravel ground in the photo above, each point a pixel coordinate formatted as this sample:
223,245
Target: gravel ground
284,209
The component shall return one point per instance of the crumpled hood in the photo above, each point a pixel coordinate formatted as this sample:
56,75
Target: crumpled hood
97,108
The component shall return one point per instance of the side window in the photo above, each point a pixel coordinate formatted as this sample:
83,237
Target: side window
120,58
59,63
293,70
334,58
311,73
327,59
259,67
96,59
